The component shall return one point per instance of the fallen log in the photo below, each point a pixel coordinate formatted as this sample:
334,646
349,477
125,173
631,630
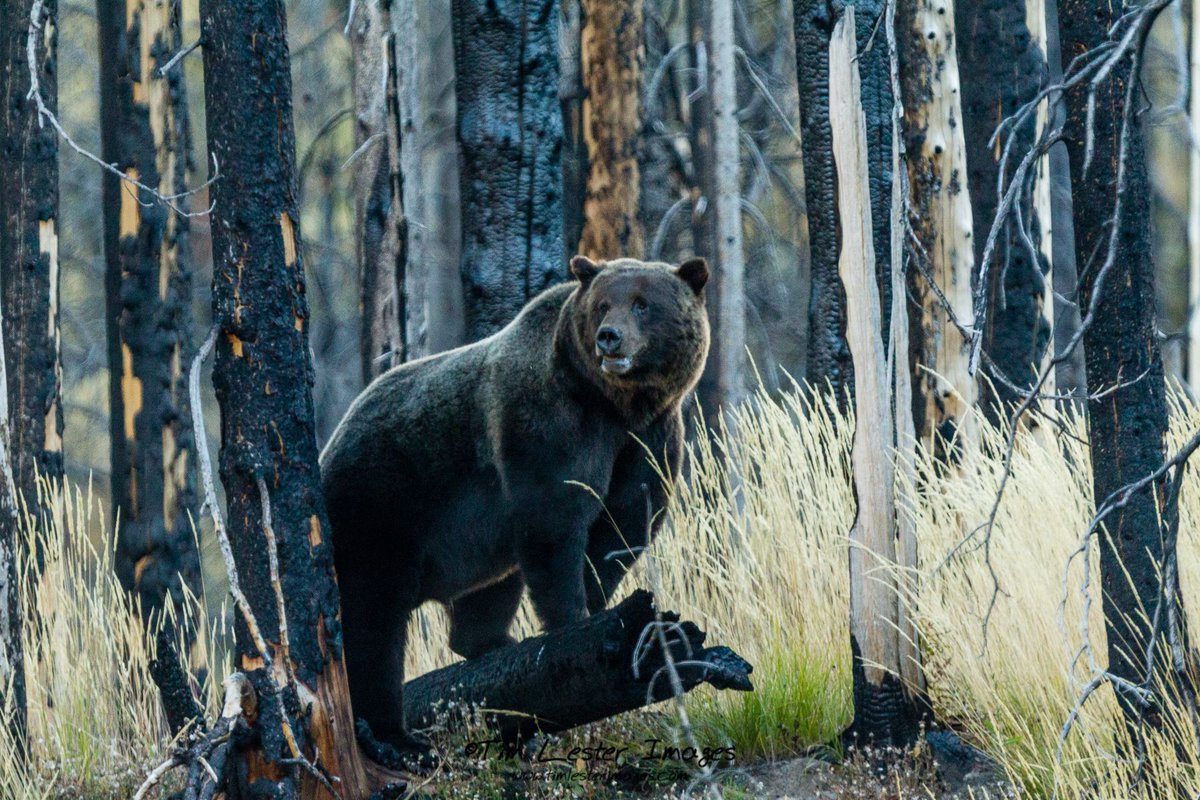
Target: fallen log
609,663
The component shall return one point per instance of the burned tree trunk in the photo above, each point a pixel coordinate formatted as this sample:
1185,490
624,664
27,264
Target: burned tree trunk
144,125
262,377
29,252
612,53
378,202
828,354
510,129
1003,68
12,663
595,667
1126,411
940,217
886,709
429,165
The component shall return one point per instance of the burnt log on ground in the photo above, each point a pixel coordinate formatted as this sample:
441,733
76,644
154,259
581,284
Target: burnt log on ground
609,663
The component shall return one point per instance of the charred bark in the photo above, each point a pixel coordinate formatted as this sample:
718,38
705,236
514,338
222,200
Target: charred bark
828,354
580,674
510,129
612,53
29,254
1127,425
262,376
1003,68
144,127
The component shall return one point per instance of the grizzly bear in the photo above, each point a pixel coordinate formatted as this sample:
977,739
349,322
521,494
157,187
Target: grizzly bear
526,459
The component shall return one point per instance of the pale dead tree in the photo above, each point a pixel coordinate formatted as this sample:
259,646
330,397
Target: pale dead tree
381,238
729,312
429,163
939,216
886,709
612,52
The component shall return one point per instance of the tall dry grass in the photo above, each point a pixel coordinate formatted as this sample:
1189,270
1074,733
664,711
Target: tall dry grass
754,549
94,717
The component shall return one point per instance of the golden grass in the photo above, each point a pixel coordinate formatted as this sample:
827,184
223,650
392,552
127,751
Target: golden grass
754,550
94,717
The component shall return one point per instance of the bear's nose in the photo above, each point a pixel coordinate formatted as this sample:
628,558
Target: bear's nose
608,340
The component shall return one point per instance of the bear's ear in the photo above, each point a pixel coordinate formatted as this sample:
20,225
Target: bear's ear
694,272
584,269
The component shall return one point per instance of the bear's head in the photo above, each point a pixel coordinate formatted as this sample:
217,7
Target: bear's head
642,325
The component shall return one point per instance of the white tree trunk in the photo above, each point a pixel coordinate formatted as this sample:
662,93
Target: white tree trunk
873,600
429,161
942,213
1035,20
730,277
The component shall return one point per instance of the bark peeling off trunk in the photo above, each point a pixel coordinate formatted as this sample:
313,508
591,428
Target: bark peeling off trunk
144,126
262,377
581,674
1127,426
1003,68
510,130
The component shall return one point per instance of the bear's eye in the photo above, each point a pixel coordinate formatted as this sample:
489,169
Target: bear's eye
603,307
640,306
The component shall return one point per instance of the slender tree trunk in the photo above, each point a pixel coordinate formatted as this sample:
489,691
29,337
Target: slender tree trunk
379,207
1193,329
728,356
828,354
940,215
144,126
1003,67
885,710
510,129
262,376
571,98
429,164
1127,424
29,253
1070,377
12,663
612,52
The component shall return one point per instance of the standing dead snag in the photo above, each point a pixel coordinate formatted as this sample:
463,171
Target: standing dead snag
940,215
379,211
510,130
262,377
29,287
1004,67
29,248
1126,409
885,708
612,53
429,164
144,126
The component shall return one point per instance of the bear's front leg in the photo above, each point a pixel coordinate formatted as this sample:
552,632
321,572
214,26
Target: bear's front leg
552,566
